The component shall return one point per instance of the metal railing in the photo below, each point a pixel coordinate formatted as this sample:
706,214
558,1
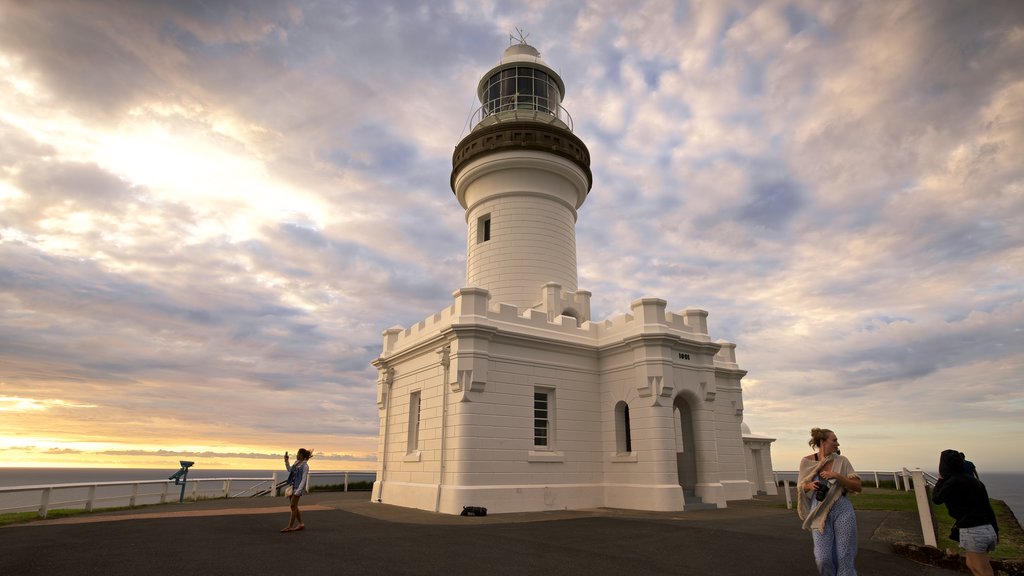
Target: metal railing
520,108
898,477
132,493
929,479
922,482
917,480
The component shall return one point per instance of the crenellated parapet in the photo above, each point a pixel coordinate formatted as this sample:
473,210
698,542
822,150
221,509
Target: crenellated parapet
564,317
472,306
726,356
557,302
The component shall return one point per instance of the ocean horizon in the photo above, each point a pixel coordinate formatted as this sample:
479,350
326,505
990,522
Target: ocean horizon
1005,486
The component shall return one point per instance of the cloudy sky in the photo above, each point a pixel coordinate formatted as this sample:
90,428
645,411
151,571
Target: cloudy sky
209,212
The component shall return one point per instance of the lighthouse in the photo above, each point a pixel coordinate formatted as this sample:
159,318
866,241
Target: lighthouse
521,175
513,398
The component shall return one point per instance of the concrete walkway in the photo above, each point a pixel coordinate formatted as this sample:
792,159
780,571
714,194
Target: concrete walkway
347,534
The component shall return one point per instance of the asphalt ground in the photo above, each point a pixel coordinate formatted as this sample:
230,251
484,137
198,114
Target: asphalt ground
346,534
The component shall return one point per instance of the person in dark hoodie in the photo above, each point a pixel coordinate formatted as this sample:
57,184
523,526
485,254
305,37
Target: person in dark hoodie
966,500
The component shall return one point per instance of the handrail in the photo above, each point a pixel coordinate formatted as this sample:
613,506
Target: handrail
929,479
898,476
112,483
528,108
922,494
48,491
905,480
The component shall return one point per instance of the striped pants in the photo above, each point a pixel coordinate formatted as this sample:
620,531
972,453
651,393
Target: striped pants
836,548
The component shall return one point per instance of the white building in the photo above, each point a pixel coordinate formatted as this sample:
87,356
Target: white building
513,398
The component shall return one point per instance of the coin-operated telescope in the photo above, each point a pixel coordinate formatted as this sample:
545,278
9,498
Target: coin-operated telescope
181,477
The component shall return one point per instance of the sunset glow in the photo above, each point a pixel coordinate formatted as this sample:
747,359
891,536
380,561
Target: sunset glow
209,213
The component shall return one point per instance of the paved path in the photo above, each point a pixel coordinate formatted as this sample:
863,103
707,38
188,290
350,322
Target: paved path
348,535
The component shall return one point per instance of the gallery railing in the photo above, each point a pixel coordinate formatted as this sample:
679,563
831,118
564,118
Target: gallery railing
917,480
520,108
92,495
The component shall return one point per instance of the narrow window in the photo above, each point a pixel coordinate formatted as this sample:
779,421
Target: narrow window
493,94
414,422
677,419
541,87
524,89
508,89
483,228
542,418
629,435
623,434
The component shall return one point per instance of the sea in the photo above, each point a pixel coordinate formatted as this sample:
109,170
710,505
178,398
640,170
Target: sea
244,482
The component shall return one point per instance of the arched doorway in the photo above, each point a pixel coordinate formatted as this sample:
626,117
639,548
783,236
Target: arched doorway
686,452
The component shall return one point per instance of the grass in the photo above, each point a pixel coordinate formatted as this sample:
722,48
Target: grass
1011,536
882,499
362,486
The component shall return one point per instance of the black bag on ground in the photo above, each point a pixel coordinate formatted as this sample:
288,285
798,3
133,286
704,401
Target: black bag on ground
474,511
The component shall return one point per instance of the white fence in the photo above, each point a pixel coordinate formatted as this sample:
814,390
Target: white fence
93,495
899,477
905,480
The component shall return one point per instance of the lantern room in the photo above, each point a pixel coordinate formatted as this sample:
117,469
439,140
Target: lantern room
521,87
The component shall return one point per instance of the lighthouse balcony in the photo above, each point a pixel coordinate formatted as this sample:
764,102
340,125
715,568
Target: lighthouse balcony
519,108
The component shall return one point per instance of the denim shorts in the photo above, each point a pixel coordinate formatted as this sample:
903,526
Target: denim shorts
978,538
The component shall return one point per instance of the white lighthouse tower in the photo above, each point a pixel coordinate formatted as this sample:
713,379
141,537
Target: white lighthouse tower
513,398
521,175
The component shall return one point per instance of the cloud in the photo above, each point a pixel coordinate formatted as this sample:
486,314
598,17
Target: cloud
209,212
16,404
63,451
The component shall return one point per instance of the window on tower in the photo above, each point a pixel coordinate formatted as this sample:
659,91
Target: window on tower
483,228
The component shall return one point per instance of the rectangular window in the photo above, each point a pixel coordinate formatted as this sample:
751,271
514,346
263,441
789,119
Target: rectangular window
493,93
483,228
414,422
508,89
542,417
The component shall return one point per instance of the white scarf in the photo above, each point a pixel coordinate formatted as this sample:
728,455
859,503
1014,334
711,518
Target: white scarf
809,468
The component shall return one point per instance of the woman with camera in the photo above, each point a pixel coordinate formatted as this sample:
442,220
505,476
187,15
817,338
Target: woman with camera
298,484
825,479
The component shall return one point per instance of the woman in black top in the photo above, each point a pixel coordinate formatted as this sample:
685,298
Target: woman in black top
966,500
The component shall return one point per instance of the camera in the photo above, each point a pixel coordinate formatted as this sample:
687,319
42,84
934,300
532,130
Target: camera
821,489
